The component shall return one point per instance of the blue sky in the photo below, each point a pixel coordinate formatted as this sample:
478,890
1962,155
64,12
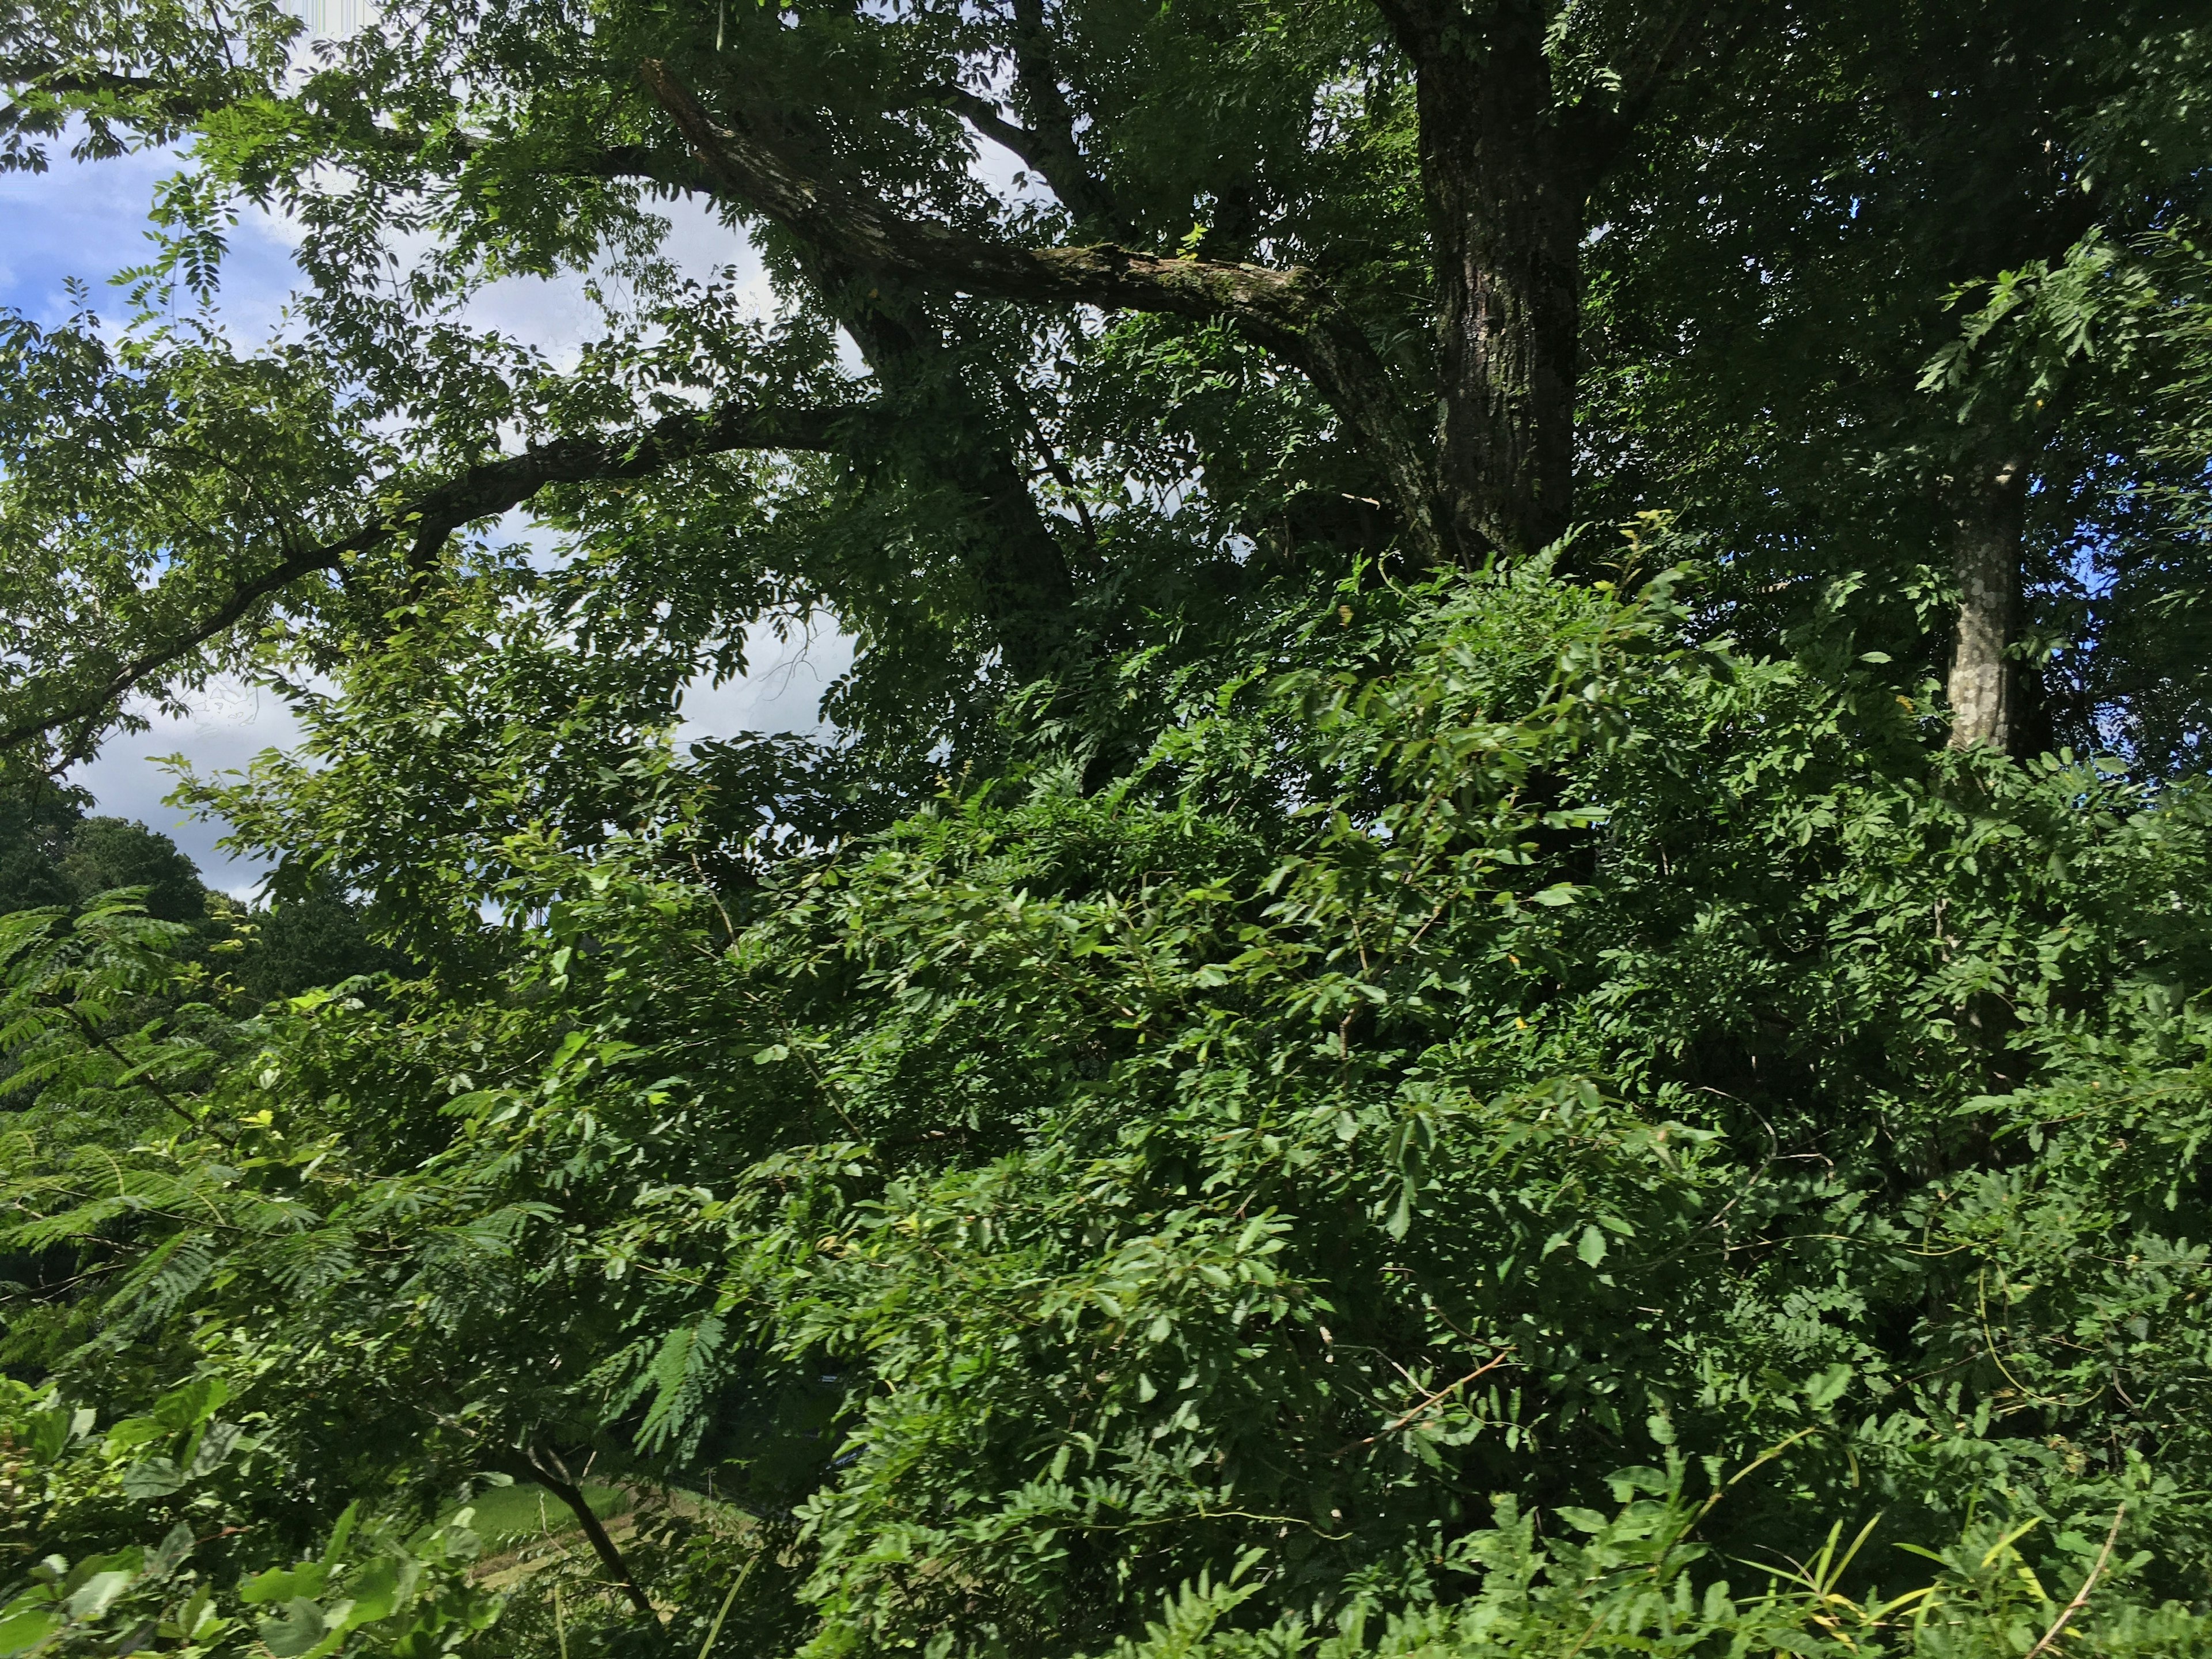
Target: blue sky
88,221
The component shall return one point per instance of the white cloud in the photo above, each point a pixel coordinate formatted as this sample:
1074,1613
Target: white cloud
780,691
230,722
555,315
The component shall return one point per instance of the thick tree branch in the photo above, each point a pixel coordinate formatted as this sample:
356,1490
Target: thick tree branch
1285,302
1060,158
57,81
980,113
175,103
1983,685
1507,169
425,519
1022,575
607,162
1289,313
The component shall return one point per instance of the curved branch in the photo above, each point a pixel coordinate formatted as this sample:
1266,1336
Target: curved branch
1047,145
483,491
173,103
980,113
1287,312
1059,165
745,167
1044,102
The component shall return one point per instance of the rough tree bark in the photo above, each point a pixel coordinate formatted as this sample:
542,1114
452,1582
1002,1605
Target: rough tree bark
1289,312
1507,169
1504,201
1984,687
1506,172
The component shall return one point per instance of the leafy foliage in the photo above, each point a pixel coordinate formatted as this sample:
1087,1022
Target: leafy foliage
71,1484
1388,1096
1323,1056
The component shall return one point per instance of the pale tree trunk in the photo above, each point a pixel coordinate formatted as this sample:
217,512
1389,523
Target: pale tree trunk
1984,690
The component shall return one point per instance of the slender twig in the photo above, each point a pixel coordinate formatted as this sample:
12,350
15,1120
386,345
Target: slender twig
1488,1365
93,1035
714,1630
712,898
2081,1596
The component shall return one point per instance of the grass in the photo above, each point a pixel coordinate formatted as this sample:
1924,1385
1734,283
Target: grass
506,1515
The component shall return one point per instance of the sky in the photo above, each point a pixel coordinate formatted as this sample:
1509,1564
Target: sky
88,222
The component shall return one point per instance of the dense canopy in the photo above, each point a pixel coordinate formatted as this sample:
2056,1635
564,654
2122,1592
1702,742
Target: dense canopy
1500,946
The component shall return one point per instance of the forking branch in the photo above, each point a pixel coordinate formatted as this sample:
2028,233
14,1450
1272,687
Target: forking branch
1289,312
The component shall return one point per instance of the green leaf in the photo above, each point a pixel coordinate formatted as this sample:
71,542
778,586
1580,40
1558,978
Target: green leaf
300,1626
24,1625
376,1592
1824,1390
187,1407
303,1582
168,1555
98,1593
151,1478
217,1444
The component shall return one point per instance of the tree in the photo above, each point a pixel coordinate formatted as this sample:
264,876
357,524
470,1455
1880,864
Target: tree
1883,333
1397,957
834,138
57,855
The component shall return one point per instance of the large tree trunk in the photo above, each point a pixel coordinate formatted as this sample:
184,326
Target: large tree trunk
1022,583
1505,203
1985,692
1023,587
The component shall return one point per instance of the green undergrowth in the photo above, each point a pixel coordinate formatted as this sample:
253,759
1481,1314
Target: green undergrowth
1516,1129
